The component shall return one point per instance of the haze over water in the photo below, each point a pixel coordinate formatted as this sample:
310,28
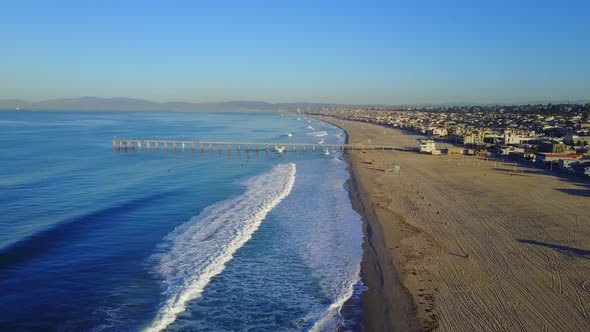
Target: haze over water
93,238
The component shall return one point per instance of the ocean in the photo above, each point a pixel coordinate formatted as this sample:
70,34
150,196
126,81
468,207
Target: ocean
94,238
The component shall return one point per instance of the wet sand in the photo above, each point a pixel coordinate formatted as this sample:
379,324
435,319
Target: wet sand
456,243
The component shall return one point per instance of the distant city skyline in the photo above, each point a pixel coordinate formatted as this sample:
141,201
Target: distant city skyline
344,52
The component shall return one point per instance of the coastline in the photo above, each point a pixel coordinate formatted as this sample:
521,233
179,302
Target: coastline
457,243
386,304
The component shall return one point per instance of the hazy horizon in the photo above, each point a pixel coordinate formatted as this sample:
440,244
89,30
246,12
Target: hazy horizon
353,53
85,101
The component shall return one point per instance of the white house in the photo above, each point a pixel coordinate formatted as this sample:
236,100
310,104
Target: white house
427,146
511,138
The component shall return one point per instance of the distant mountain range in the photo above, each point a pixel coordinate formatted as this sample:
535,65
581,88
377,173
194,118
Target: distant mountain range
131,104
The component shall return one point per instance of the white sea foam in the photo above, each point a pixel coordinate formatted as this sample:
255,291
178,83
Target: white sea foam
198,250
327,234
317,133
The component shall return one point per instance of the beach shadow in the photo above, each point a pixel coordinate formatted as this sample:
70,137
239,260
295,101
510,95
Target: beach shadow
565,176
570,251
510,171
575,192
576,182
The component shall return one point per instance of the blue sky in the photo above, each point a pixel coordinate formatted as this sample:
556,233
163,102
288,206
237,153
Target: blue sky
379,52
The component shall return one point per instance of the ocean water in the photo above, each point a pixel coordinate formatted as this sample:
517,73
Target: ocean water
98,239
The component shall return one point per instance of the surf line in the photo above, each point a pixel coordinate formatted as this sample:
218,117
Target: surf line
199,249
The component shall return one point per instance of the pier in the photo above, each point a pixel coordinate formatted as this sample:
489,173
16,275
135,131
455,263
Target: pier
149,144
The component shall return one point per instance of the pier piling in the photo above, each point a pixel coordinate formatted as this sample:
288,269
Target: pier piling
128,144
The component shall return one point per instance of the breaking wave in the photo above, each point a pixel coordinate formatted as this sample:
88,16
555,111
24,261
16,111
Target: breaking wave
327,235
317,133
195,252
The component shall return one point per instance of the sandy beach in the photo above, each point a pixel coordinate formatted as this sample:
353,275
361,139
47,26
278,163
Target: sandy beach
462,244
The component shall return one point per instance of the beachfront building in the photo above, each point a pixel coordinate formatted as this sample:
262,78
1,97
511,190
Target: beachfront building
544,157
512,138
550,146
436,132
427,146
471,137
505,150
573,139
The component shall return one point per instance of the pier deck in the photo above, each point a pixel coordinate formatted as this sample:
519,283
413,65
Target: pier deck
240,146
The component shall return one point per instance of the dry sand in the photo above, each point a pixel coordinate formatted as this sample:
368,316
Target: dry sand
459,244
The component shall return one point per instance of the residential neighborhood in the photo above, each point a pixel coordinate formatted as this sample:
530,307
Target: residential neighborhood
555,137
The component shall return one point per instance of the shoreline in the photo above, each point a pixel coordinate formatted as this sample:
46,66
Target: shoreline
395,311
385,303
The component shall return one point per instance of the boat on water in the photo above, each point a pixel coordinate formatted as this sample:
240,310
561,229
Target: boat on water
326,152
310,127
288,134
321,141
280,149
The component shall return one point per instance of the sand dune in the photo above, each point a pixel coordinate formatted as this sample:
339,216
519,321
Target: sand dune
476,247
